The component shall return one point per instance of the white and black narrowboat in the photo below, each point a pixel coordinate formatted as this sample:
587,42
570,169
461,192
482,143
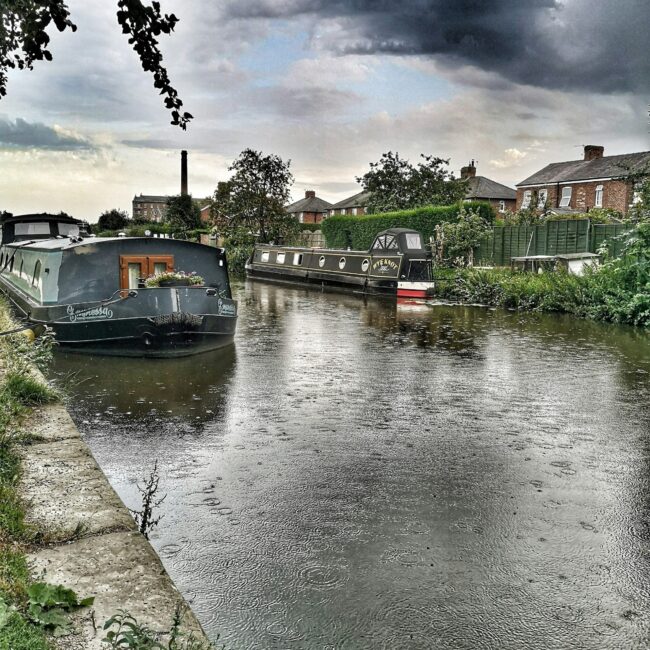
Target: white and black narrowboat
397,264
92,291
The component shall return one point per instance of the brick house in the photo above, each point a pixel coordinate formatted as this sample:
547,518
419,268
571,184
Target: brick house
596,181
149,207
311,209
480,188
354,205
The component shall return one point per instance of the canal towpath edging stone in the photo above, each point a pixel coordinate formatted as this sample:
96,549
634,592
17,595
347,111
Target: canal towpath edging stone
68,495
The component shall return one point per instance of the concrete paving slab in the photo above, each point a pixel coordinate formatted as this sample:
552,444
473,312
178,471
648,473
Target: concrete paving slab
50,422
122,571
63,485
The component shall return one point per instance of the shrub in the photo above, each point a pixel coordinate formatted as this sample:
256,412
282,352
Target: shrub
343,231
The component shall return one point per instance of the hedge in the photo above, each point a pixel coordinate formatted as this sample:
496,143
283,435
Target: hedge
358,233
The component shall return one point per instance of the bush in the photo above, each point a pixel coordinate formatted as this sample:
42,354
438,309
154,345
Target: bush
343,231
619,291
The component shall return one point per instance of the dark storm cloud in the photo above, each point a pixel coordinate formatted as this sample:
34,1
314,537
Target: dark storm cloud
34,135
559,44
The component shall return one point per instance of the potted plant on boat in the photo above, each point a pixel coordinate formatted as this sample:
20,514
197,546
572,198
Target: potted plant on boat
173,279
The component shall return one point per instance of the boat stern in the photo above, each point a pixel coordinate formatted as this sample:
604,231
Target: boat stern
408,289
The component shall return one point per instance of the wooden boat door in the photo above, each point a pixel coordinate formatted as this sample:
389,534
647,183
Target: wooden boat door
134,268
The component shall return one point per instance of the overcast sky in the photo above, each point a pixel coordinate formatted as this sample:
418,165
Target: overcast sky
329,84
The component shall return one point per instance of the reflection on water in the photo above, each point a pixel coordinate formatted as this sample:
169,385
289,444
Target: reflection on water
359,475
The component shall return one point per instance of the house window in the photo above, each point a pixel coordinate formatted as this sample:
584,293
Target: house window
354,211
565,202
342,211
134,268
542,198
502,206
599,196
301,217
528,195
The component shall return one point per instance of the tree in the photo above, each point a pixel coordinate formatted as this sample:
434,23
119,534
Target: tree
183,212
24,40
112,220
455,242
396,184
255,196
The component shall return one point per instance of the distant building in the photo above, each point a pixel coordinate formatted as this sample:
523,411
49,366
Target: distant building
354,205
596,181
149,207
480,188
311,209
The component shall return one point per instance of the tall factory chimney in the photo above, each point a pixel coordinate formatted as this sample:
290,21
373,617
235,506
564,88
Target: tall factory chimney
183,173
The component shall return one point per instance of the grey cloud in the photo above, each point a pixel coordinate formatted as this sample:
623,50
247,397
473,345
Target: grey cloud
34,135
568,45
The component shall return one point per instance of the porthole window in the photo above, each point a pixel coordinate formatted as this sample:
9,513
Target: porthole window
321,261
342,263
364,265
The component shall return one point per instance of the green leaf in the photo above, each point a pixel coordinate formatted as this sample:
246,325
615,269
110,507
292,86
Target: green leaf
5,613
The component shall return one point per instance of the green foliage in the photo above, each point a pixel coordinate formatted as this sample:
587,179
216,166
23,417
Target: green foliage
124,632
239,244
343,231
183,213
19,634
26,390
455,241
619,291
49,606
396,184
112,220
255,196
24,40
641,209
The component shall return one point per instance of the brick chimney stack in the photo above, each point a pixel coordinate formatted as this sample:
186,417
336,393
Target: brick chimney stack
593,152
183,173
468,172
310,194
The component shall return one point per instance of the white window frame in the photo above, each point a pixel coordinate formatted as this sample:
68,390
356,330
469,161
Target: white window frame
542,198
567,193
301,217
354,211
598,200
342,211
502,206
528,197
279,258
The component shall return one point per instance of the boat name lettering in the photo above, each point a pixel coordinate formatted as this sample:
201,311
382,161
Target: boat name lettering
384,266
226,308
92,313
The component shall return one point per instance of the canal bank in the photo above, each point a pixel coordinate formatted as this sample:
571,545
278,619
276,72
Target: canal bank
63,524
102,554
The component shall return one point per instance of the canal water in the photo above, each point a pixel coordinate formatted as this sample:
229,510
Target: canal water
354,474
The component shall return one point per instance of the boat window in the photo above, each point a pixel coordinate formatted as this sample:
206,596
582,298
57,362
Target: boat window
265,256
36,280
135,273
69,229
20,272
342,263
321,261
365,264
280,258
133,268
414,241
11,267
34,228
385,242
297,259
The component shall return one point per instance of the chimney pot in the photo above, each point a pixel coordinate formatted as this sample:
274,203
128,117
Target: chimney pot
310,194
468,172
593,152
